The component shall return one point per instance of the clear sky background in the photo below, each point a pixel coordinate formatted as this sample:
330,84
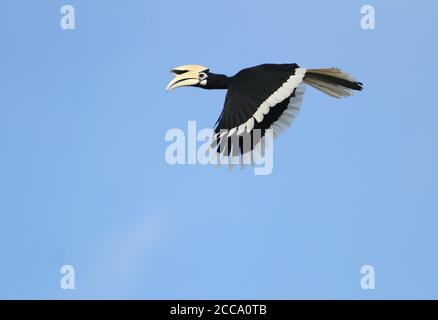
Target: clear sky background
83,179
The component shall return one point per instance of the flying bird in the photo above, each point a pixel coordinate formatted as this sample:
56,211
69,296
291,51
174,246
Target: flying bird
268,96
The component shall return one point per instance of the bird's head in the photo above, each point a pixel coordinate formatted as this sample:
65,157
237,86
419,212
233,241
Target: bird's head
196,76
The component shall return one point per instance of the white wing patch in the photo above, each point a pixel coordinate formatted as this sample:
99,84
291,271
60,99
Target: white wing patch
294,83
289,115
284,92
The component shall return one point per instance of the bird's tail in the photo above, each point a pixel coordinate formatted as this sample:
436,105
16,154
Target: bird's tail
332,81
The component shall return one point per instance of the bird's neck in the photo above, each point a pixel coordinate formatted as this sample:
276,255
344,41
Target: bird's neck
218,81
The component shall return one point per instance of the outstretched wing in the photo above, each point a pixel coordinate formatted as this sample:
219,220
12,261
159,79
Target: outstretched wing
263,97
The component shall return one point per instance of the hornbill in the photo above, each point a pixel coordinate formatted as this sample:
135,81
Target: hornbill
268,96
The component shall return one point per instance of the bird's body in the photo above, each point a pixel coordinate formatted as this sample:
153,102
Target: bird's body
268,96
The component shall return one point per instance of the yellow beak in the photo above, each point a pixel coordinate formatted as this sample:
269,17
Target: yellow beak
186,79
185,76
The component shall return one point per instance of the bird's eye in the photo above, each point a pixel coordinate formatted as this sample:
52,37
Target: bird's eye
202,76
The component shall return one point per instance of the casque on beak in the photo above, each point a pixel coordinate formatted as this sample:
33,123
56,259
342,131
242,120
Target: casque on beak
185,76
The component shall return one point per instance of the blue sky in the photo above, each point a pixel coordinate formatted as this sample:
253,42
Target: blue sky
83,180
